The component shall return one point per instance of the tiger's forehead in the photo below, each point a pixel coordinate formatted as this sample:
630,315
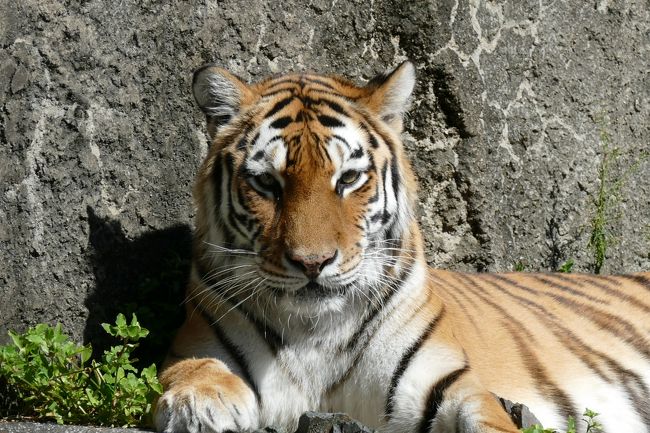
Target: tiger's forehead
306,84
305,128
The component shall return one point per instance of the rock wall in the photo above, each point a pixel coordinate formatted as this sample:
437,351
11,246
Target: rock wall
518,105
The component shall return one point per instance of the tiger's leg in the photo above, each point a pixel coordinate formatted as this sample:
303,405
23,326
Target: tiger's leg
456,403
202,394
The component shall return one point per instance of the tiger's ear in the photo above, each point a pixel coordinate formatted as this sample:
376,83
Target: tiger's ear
220,95
390,93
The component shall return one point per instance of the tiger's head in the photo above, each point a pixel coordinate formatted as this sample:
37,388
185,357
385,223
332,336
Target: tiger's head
305,192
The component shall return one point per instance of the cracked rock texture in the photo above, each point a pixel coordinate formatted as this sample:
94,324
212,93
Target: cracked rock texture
518,103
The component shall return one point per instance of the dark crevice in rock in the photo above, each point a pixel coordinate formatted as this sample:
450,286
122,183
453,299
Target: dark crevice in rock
447,100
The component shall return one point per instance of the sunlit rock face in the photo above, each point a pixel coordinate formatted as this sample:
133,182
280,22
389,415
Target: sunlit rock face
517,105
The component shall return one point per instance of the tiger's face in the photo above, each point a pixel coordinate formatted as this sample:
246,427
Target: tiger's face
305,191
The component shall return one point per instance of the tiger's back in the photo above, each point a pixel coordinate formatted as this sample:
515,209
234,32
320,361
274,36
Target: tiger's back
310,290
559,342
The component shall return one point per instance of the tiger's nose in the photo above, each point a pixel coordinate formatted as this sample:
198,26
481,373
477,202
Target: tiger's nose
312,264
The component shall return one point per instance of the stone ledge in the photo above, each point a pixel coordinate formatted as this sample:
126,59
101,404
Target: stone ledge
310,422
34,427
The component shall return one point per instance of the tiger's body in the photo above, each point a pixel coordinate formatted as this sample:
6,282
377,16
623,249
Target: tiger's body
309,288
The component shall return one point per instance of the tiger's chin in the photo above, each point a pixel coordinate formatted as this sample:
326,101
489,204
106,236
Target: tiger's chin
313,298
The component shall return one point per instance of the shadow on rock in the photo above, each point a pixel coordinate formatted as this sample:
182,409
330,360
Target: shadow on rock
146,276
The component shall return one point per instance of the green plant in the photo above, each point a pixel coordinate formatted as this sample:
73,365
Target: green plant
55,378
593,426
608,196
566,267
604,201
519,266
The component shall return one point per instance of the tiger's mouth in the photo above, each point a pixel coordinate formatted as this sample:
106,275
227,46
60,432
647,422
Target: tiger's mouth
314,290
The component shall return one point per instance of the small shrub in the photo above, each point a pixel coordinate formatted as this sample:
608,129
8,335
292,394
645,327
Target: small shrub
593,426
52,377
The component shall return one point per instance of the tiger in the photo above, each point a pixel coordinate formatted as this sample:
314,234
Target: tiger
309,287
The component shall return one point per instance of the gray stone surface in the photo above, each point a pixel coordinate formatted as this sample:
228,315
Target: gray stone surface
520,414
100,139
313,422
32,427
310,422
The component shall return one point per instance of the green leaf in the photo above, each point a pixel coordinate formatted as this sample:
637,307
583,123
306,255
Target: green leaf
86,353
120,321
571,425
91,398
16,339
567,266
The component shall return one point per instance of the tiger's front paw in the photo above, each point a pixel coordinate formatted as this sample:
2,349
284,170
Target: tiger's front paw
204,396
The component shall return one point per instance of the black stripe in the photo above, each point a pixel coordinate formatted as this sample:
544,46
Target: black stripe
235,352
233,217
436,396
376,217
588,281
373,140
375,197
278,106
343,140
386,216
329,121
406,360
543,279
334,106
394,171
278,91
329,92
639,279
255,137
597,281
357,153
281,122
545,385
302,116
390,292
243,143
314,80
284,80
387,140
268,334
384,170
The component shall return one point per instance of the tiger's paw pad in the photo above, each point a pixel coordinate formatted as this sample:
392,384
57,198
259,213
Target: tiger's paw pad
205,409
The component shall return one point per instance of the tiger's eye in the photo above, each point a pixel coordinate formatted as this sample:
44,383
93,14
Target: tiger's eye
265,180
349,177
